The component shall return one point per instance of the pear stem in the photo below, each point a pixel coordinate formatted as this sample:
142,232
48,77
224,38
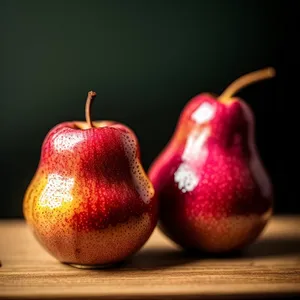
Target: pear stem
90,97
246,80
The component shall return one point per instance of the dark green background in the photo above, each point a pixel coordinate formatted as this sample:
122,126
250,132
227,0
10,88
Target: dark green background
145,60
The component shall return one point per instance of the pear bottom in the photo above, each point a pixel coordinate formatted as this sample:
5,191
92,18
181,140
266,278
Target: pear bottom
217,236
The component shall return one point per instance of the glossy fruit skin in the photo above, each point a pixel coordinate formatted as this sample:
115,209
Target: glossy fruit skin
90,201
213,191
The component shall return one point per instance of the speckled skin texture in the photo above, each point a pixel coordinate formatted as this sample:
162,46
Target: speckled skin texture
213,190
90,201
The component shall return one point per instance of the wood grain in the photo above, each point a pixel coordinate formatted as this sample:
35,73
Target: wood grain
270,267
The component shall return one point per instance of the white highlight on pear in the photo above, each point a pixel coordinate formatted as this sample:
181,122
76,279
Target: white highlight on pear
186,178
194,155
193,150
57,190
62,142
204,113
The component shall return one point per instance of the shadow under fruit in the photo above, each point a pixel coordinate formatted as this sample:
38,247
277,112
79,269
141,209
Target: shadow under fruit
213,190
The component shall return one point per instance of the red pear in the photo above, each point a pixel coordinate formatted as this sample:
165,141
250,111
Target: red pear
214,192
90,201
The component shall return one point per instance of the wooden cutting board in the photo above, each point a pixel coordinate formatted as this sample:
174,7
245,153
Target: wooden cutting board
270,267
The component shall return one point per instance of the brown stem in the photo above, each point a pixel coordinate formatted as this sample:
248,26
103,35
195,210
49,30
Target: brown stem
245,80
90,97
